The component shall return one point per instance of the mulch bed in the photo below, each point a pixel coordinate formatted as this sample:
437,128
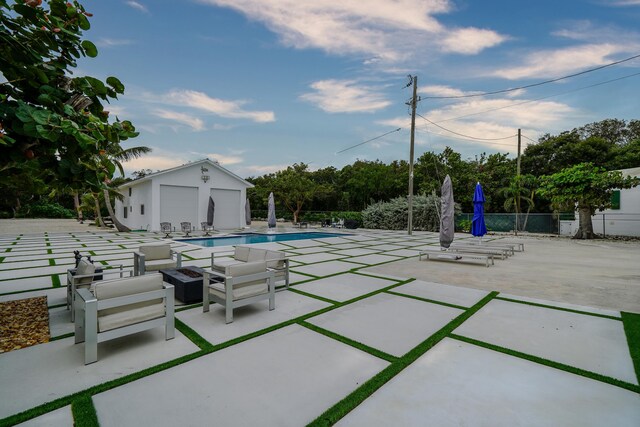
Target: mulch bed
23,323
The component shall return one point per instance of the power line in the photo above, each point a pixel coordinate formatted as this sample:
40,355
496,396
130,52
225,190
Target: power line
539,99
533,84
463,135
524,136
461,139
369,140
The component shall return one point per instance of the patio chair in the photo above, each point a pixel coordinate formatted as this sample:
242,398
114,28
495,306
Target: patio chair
165,227
186,228
206,228
240,285
83,276
122,307
155,257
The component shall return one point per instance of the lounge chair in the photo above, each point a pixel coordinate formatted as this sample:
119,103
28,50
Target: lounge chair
122,307
206,228
186,228
165,227
155,257
83,276
241,284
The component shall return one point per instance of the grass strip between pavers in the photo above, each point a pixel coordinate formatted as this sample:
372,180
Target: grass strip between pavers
360,346
355,398
550,363
314,296
55,281
631,323
84,413
432,301
553,307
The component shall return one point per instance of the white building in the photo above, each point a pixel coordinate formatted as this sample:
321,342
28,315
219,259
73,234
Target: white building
181,194
622,219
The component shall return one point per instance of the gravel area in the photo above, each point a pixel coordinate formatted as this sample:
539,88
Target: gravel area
23,323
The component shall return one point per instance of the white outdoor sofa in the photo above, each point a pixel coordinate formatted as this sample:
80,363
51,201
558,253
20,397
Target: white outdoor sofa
115,308
155,257
276,261
239,285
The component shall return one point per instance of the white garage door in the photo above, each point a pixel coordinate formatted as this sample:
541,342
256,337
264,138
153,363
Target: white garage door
179,204
227,213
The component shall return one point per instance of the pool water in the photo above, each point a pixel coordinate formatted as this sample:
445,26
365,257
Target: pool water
248,238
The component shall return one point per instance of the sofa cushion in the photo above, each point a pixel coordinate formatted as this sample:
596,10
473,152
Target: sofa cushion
247,289
129,286
220,264
84,268
275,259
130,316
241,253
157,251
159,264
256,254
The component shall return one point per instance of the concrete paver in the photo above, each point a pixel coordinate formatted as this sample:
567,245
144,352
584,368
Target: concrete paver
444,293
390,323
587,342
57,368
458,384
59,418
344,286
286,378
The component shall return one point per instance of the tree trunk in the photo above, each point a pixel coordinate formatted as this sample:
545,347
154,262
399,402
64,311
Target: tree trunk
96,208
119,226
76,204
585,229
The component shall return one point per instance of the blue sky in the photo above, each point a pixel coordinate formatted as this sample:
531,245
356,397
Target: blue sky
262,84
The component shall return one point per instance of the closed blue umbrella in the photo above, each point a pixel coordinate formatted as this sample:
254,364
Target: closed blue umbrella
478,227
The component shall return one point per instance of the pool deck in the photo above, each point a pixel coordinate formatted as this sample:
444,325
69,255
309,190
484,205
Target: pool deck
366,335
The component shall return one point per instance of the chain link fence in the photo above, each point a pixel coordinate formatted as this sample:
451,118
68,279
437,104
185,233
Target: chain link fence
548,223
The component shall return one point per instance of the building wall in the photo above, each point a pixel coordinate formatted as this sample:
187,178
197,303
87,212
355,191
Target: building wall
148,192
614,222
140,196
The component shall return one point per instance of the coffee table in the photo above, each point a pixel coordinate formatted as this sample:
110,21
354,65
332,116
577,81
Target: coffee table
187,282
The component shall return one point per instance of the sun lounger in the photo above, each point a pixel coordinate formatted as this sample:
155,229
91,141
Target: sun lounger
439,255
477,249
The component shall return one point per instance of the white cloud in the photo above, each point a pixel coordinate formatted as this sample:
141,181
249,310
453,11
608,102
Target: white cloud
258,170
470,41
622,3
107,42
220,107
137,5
225,159
441,90
155,162
555,63
345,96
388,31
185,119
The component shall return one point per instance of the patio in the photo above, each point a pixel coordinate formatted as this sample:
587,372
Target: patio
366,335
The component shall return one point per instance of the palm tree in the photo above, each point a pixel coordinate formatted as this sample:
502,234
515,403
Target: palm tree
116,154
520,190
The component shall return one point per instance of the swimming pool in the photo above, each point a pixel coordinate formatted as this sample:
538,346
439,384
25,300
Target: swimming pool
248,238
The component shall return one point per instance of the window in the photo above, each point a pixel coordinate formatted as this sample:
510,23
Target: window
141,209
615,200
125,212
129,191
130,208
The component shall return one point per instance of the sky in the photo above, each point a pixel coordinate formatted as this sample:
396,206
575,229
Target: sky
259,85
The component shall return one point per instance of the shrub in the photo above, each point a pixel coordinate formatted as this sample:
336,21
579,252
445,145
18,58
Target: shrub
392,215
44,209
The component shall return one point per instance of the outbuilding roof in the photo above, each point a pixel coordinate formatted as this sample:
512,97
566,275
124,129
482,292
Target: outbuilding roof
209,162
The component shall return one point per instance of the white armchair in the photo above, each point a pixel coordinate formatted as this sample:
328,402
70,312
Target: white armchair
155,257
122,307
83,276
241,284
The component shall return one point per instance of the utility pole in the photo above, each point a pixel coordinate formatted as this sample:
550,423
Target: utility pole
518,181
414,101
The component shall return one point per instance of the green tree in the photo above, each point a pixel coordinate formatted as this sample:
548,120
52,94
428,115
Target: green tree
47,117
294,187
586,186
520,189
